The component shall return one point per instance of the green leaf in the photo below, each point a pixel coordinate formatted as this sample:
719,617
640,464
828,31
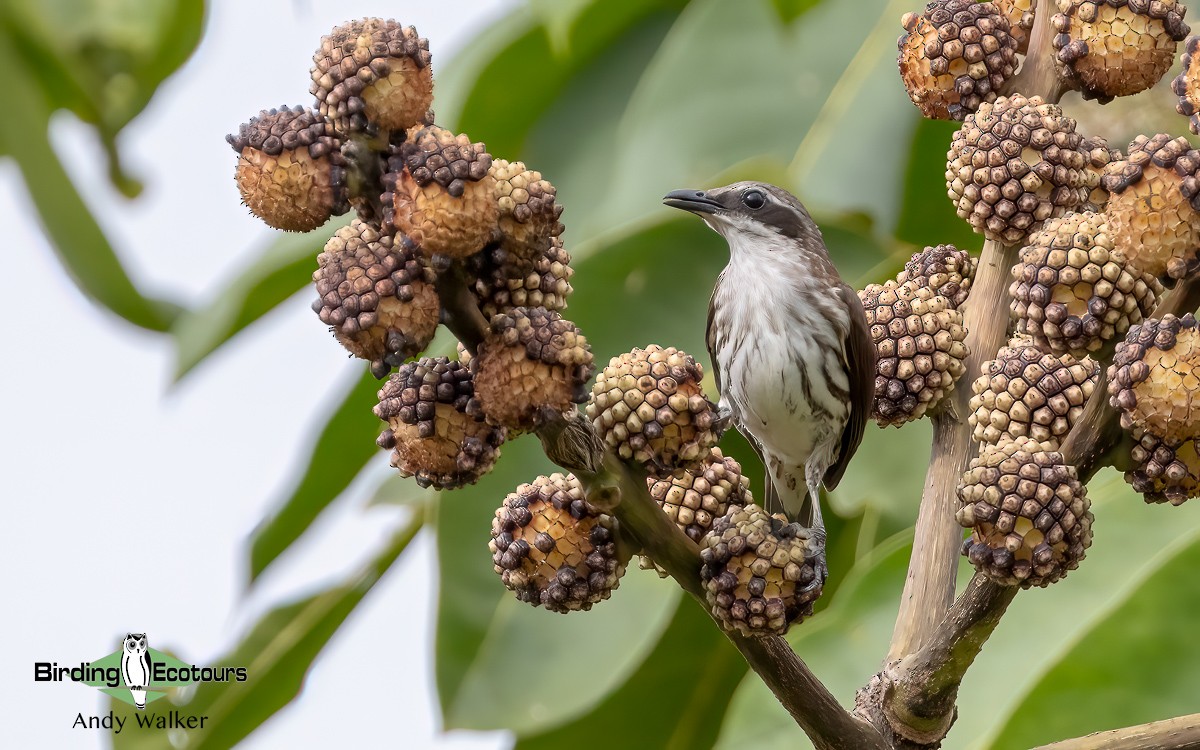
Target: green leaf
80,244
675,700
773,81
283,268
471,103
486,637
345,444
927,216
842,646
790,10
277,654
103,59
1147,672
1127,593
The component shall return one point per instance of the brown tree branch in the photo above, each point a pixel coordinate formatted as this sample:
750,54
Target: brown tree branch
617,487
929,586
1182,733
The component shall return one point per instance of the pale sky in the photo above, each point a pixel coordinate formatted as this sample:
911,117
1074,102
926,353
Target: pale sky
99,450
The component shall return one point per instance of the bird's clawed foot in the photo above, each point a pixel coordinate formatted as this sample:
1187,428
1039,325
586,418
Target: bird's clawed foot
816,545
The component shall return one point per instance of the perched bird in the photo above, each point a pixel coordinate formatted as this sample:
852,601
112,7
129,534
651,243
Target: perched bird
788,339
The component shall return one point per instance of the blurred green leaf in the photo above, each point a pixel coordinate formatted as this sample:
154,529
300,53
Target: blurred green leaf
470,592
1125,594
485,636
888,473
76,237
842,646
841,164
927,215
277,654
103,62
103,59
1147,673
398,490
619,634
530,59
790,10
674,701
345,444
282,268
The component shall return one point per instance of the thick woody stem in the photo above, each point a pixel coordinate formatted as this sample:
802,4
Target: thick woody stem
920,690
929,587
618,488
1182,733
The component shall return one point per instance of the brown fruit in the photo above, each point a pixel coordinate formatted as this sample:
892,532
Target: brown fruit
1186,85
1154,196
503,282
372,75
759,572
1165,471
430,432
955,55
532,359
919,349
1025,392
553,549
290,169
1110,48
438,191
1016,163
528,211
376,294
648,406
1073,292
1029,515
1154,378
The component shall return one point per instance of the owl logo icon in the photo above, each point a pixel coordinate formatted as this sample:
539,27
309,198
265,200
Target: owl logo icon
136,667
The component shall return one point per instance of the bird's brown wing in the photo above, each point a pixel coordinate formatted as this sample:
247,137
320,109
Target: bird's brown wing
710,338
860,366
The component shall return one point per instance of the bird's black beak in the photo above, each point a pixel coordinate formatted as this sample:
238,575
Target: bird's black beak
696,201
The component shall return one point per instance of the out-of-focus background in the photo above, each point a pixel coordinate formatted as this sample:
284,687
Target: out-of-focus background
187,452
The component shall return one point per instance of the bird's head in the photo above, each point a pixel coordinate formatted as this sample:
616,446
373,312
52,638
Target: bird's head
750,214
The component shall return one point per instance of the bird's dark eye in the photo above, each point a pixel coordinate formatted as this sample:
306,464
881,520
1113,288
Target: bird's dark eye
754,199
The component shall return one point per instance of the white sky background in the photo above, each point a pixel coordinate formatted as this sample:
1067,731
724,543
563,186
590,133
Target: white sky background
128,502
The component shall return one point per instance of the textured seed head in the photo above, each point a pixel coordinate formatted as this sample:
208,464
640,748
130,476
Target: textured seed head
919,348
1154,379
430,432
439,192
693,499
554,549
1072,292
503,283
944,269
528,211
955,55
531,359
1016,163
1020,15
376,293
372,75
1186,85
648,406
1109,48
1025,392
759,572
290,169
1029,515
1154,195
1165,471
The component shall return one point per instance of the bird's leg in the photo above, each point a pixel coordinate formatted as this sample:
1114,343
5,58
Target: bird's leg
724,418
820,565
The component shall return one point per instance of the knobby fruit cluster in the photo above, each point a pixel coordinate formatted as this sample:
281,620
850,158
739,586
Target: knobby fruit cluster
1102,235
